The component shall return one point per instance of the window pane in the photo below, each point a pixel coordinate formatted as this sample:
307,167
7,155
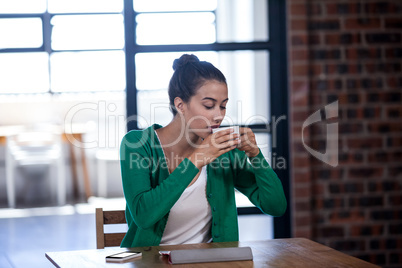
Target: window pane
24,72
246,72
22,6
87,71
176,28
84,6
174,5
77,32
264,143
242,20
247,75
153,107
150,65
16,33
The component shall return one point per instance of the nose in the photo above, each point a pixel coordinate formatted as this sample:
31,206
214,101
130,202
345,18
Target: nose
219,115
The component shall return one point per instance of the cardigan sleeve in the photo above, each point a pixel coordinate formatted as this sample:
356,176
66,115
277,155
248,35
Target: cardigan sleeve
257,180
149,203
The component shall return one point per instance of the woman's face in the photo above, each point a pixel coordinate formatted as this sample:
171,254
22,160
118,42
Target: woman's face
206,109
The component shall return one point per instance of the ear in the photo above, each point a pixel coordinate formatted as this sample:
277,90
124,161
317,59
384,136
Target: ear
179,104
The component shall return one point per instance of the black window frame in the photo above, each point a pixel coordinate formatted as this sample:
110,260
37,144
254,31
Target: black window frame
276,45
46,18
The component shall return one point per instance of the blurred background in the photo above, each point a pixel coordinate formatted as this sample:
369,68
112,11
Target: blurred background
75,76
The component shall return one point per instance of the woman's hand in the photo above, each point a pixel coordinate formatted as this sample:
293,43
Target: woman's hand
214,146
248,142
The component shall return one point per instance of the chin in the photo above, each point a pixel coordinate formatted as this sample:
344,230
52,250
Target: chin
202,133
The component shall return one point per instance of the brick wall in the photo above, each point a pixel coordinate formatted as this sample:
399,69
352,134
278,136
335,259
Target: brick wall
348,51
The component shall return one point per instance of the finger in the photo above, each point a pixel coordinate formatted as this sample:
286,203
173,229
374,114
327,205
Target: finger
229,144
244,130
223,151
225,138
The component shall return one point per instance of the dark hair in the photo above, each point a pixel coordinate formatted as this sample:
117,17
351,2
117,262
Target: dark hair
189,75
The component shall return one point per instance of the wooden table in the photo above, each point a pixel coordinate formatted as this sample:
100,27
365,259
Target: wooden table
291,252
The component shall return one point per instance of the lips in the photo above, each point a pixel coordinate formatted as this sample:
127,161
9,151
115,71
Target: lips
210,128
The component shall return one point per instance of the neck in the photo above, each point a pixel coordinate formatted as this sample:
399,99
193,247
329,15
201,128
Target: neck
175,138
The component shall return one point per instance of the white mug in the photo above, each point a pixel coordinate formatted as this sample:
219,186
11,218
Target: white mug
235,129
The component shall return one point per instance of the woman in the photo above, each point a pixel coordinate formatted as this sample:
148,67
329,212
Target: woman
179,180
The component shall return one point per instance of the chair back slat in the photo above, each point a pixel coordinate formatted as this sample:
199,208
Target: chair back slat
114,217
108,217
113,239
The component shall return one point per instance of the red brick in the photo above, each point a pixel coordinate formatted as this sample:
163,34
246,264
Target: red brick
323,25
348,128
300,100
359,24
314,39
314,9
330,68
298,9
300,54
298,147
394,82
385,127
327,174
383,7
298,24
351,158
393,53
385,157
364,143
319,189
394,142
342,39
300,70
395,171
302,192
395,200
332,231
302,232
300,115
366,230
365,172
302,205
300,162
302,177
347,217
393,112
303,220
299,39
332,39
315,69
331,8
393,23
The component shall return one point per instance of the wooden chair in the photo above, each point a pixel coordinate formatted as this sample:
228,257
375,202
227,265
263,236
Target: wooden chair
108,217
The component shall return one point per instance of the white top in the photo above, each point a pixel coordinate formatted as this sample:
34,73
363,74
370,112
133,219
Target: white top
190,218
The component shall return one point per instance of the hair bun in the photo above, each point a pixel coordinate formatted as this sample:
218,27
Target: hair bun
183,60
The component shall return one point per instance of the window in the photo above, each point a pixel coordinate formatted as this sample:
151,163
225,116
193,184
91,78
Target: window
243,38
60,46
65,46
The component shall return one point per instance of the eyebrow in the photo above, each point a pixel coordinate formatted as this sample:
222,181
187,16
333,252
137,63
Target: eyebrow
212,99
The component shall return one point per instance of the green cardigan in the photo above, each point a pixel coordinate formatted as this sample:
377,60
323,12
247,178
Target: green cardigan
150,191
